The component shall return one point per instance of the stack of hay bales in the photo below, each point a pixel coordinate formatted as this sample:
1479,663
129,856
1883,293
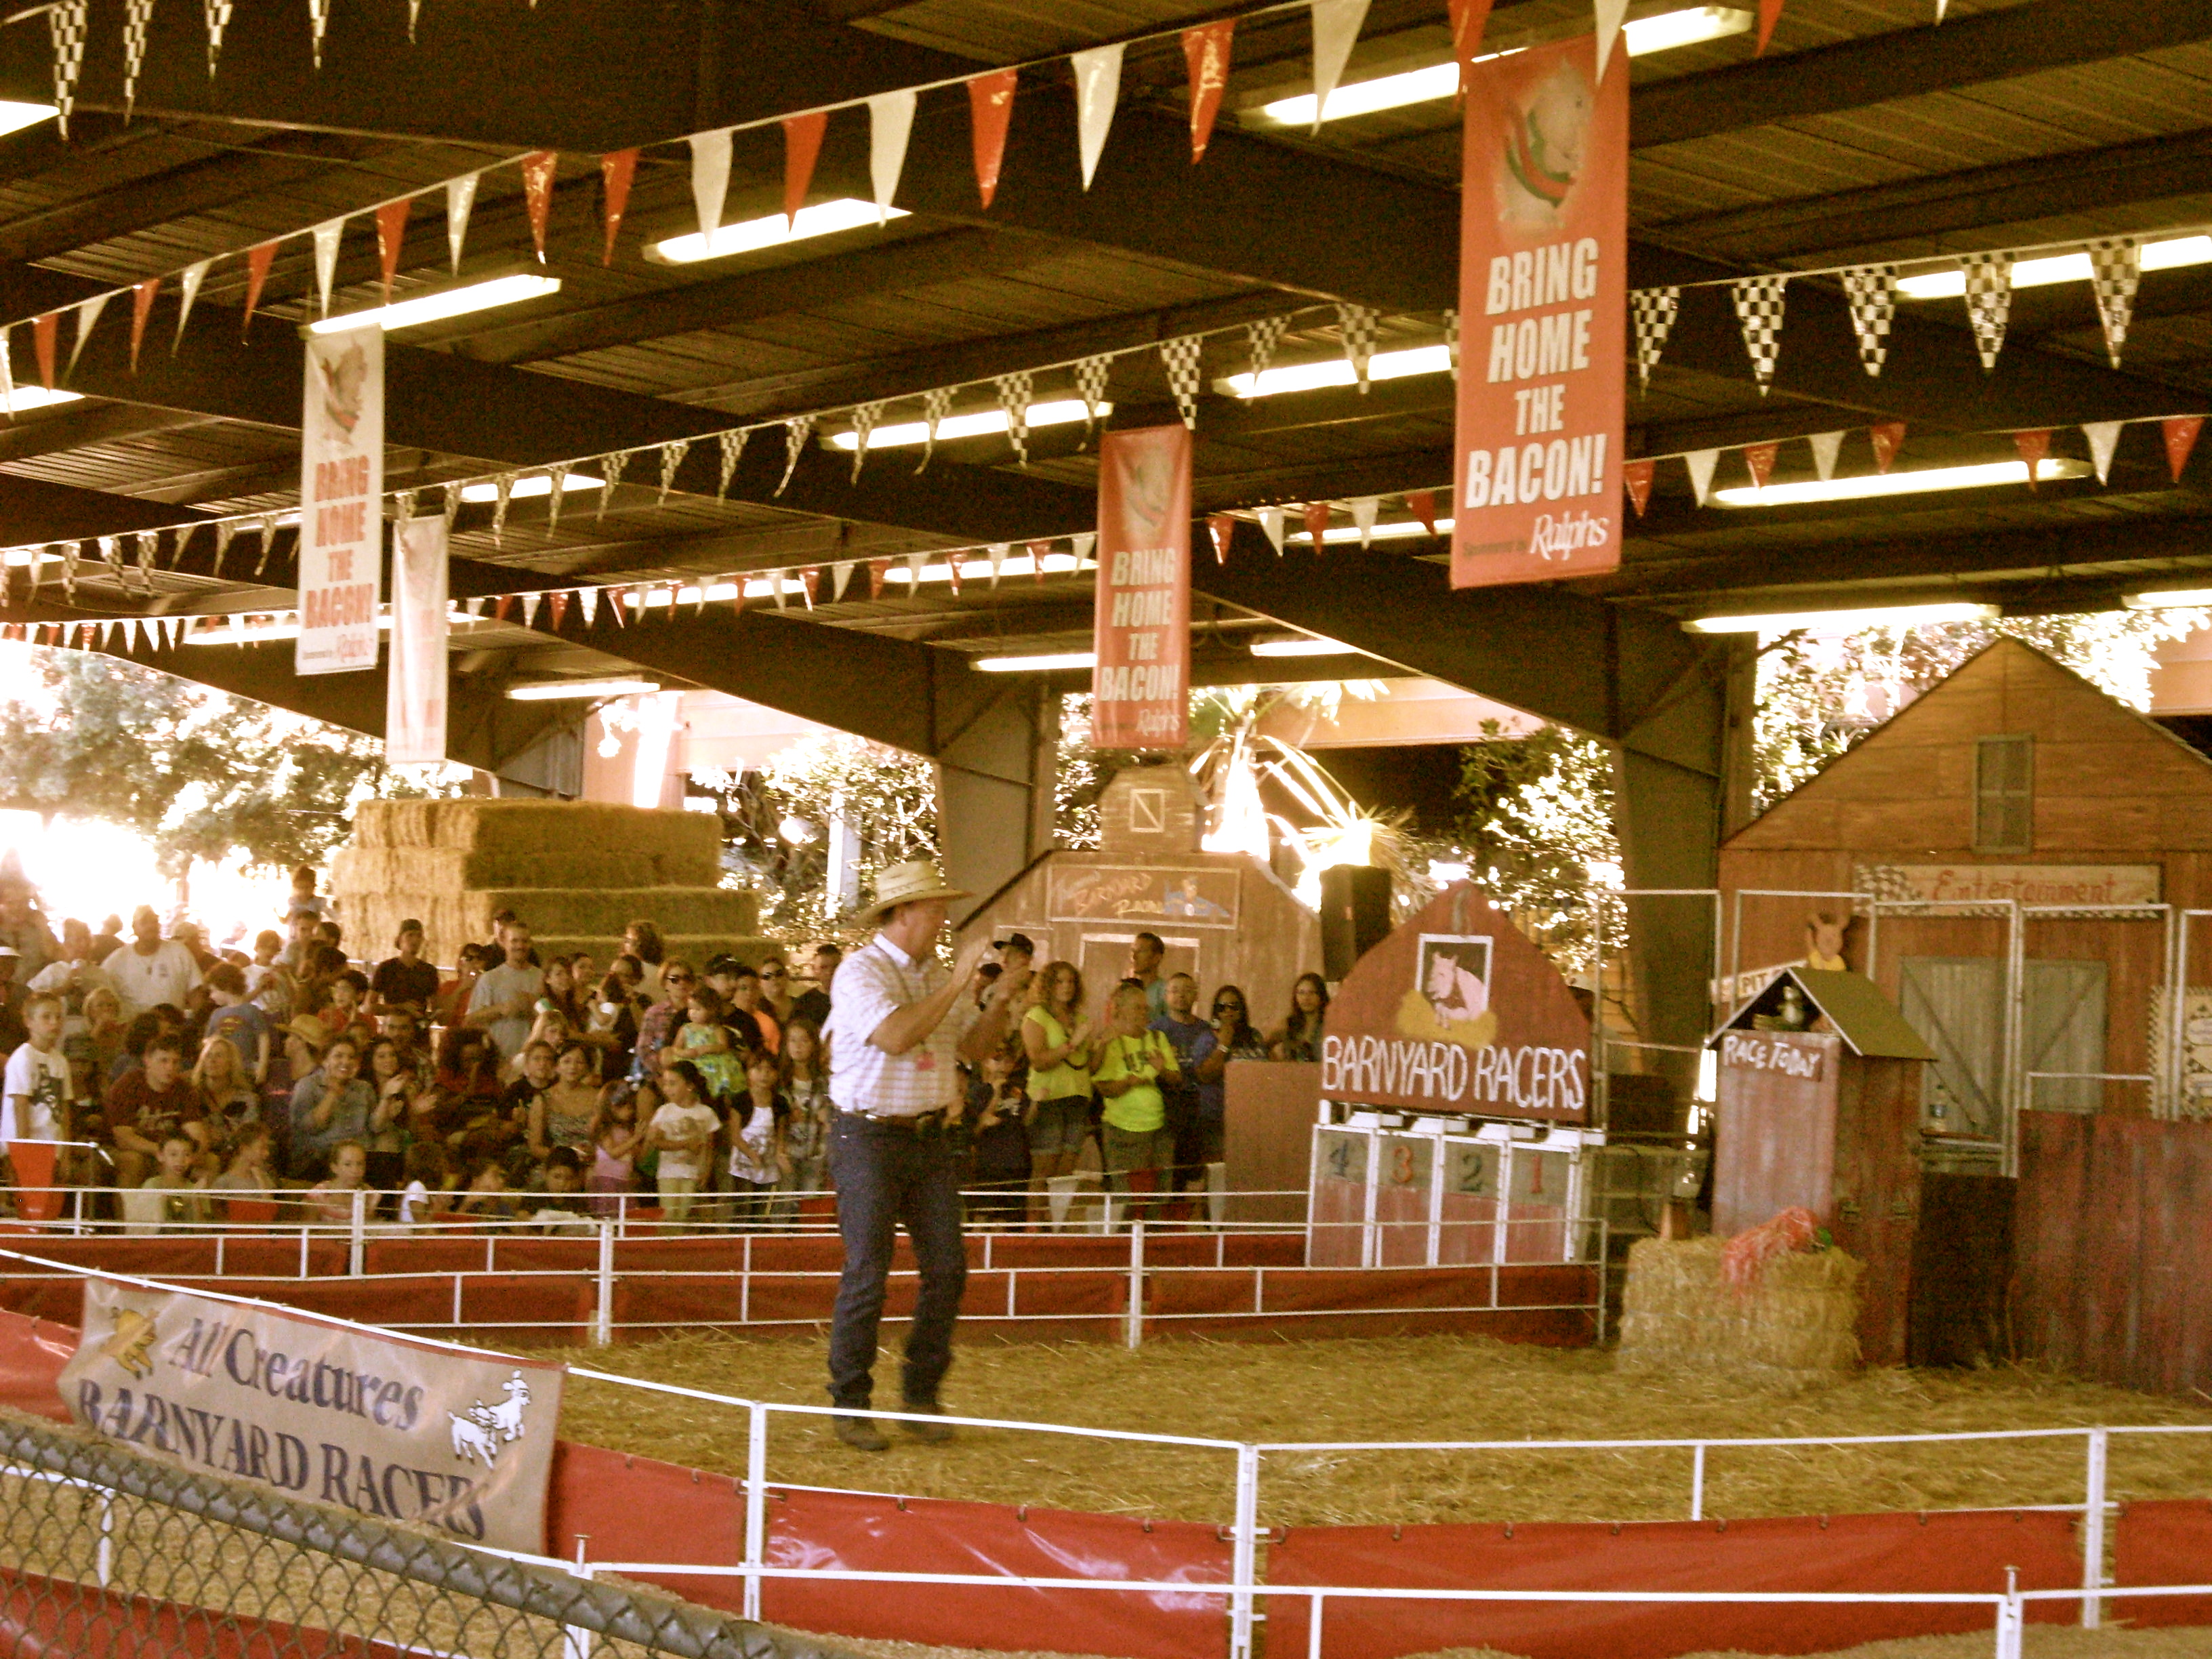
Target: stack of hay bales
579,872
1797,1322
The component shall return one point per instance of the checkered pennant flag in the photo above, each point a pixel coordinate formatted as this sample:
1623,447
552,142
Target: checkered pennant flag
1871,292
148,546
611,465
218,20
1989,302
732,446
266,523
1260,339
1357,325
796,431
936,405
864,417
138,20
318,23
1759,312
556,486
226,529
672,459
1181,357
1013,391
1091,374
502,493
1653,310
452,511
2115,270
65,19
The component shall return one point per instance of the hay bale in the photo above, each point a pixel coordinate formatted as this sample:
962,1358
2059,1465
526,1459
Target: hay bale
698,910
689,844
1678,1314
359,869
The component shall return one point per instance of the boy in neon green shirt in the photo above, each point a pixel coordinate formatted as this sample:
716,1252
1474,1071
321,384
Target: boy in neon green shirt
1127,1073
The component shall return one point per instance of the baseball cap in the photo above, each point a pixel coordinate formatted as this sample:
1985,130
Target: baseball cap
1021,942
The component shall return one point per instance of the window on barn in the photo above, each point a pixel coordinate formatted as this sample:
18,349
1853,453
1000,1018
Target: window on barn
2004,794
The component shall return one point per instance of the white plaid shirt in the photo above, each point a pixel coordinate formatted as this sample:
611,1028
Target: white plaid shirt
874,983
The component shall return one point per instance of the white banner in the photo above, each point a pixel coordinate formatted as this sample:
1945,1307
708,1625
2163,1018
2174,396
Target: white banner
415,695
341,502
453,1438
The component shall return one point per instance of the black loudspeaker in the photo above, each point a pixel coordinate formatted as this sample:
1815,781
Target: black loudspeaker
1355,916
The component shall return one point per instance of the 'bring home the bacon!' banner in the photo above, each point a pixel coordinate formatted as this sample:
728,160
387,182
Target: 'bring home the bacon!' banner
1543,303
341,502
1141,689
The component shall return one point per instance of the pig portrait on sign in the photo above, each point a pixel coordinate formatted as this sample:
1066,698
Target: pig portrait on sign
1148,482
343,378
1546,142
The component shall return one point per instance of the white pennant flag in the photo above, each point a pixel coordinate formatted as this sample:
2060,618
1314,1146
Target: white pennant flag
997,552
130,633
913,564
776,590
1080,544
588,601
188,290
1362,515
2103,438
88,317
891,123
1826,448
1097,89
1702,463
710,178
1271,523
530,603
461,202
1336,31
840,573
1609,15
326,258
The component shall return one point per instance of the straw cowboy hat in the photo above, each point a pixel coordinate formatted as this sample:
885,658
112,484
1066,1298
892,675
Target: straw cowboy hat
907,884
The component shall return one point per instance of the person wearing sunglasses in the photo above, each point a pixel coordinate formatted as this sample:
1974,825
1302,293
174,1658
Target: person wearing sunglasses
775,996
659,1022
1233,1037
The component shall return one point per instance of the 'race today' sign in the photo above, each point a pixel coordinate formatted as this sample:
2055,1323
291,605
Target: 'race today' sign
454,1438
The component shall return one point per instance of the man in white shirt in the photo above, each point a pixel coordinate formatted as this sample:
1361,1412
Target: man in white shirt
897,1030
150,969
505,999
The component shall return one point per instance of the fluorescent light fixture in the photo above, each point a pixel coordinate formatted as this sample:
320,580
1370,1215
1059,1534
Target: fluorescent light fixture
235,630
979,425
537,483
1335,371
2178,598
2169,255
1040,664
14,117
1687,26
1398,530
1915,482
751,235
447,302
1301,645
1845,622
550,691
37,396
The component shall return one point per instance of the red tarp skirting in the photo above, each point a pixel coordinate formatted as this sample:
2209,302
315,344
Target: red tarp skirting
55,1618
2167,1542
1849,1552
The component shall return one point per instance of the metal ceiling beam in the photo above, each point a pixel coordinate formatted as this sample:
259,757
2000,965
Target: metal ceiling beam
58,430
35,510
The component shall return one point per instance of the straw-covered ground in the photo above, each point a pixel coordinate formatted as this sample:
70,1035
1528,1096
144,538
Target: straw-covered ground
1407,1388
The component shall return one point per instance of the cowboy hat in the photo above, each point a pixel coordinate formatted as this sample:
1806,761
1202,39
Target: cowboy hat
312,1032
907,884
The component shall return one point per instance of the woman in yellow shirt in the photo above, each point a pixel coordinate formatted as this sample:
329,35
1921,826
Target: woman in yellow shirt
1056,1038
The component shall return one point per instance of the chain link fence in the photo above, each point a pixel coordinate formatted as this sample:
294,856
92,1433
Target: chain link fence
107,1555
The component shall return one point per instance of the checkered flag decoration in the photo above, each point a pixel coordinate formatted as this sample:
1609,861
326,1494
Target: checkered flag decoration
218,20
936,405
65,19
2115,270
611,465
1652,311
1356,323
1871,292
138,20
1091,374
1260,339
1014,391
732,446
1181,357
672,460
796,431
1758,302
556,486
1989,302
865,417
318,23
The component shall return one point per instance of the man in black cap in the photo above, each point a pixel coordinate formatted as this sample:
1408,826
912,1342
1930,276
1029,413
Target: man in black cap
1016,956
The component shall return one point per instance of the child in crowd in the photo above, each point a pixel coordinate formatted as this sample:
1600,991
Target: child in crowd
425,1197
683,1133
560,1205
41,1089
487,1197
807,1130
187,1203
248,1169
756,1127
707,1042
343,1013
1132,1063
616,1139
997,1115
330,1202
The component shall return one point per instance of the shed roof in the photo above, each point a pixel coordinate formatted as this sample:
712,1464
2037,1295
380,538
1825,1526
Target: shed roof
1866,1019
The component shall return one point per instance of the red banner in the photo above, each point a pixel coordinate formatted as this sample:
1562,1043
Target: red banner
1544,297
1140,688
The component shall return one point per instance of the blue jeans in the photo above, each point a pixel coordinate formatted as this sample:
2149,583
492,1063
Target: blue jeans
889,1177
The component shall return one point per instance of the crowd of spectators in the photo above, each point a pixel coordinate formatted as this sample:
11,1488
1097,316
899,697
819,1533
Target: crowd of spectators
550,1089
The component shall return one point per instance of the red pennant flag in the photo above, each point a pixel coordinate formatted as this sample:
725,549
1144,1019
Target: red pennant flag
142,307
812,578
738,609
1422,503
615,171
615,604
1037,550
392,230
878,569
258,261
1888,438
504,608
802,144
1223,528
1206,50
2180,432
2034,445
1317,523
538,195
990,108
44,330
1770,12
559,604
1760,458
952,564
1469,18
1636,475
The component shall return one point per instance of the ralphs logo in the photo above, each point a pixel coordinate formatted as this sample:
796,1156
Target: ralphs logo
1560,538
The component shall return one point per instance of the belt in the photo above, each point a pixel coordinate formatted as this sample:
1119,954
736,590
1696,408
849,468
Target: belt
898,1119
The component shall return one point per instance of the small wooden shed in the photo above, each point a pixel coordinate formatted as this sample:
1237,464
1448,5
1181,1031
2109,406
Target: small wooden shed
1819,1107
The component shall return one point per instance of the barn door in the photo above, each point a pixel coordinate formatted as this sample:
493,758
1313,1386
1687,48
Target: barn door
2063,1029
1957,1005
